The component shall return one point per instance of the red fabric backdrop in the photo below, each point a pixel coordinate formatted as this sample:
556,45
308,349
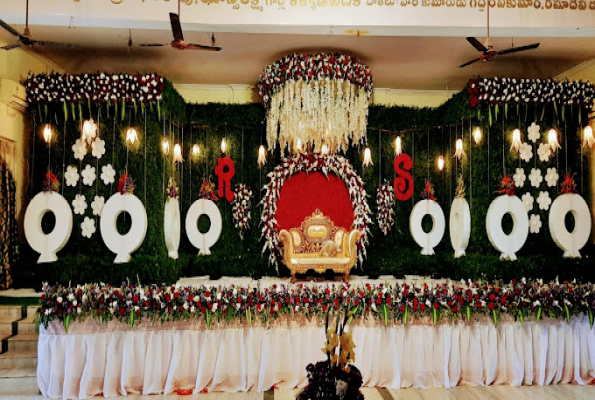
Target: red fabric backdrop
303,193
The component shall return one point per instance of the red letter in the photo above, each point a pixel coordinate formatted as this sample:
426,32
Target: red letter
225,177
403,182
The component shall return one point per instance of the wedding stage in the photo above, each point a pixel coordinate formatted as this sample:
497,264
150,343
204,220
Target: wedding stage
153,358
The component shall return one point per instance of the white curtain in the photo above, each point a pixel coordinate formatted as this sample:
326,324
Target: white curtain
115,360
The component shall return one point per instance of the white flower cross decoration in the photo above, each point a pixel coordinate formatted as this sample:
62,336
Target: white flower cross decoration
534,223
534,132
98,146
544,200
551,177
88,175
108,174
88,227
526,152
79,204
71,176
519,177
80,149
97,205
528,201
544,152
535,177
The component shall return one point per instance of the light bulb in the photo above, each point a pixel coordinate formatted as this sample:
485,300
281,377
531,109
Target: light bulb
477,135
47,133
178,153
398,147
516,140
588,140
262,156
552,137
459,152
298,145
223,145
165,146
131,136
324,150
89,131
195,150
440,162
368,157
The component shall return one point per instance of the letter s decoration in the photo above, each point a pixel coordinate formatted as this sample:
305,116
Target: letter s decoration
404,181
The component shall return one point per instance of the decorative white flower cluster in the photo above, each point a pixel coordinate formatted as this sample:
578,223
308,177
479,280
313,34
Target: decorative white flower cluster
241,208
385,200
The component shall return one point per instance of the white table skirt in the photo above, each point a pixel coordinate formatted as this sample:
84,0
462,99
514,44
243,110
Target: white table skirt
114,360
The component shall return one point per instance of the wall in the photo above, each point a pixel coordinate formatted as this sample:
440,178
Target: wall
15,125
586,71
243,94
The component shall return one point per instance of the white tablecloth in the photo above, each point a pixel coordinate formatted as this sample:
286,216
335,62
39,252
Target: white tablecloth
115,360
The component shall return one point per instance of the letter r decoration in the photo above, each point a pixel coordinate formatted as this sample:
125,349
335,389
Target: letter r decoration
225,177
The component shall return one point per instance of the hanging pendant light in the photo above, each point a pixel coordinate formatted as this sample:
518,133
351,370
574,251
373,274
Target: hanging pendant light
47,134
440,162
131,136
477,135
195,150
89,131
165,146
398,147
552,138
368,157
178,154
223,146
262,156
459,152
588,140
516,140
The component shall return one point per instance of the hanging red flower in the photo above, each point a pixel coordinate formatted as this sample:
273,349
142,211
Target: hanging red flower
428,192
50,183
507,186
568,185
126,184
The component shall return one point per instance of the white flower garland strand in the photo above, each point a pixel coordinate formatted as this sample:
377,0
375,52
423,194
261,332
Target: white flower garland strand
241,208
313,163
385,200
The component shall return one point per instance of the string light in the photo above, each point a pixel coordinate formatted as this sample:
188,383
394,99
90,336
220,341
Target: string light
178,154
131,136
588,140
262,156
516,140
398,147
477,135
459,152
47,134
165,146
440,162
552,138
324,150
223,145
195,150
368,157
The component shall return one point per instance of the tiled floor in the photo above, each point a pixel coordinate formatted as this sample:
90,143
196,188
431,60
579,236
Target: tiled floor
557,392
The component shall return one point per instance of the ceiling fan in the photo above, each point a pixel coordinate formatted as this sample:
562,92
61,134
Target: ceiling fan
25,39
179,42
486,52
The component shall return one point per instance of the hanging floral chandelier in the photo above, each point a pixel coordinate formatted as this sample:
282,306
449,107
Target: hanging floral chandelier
317,99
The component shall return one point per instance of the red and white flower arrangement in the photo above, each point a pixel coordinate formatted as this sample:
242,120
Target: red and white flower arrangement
337,165
507,186
94,88
385,200
241,208
172,190
530,91
387,304
126,184
207,190
50,183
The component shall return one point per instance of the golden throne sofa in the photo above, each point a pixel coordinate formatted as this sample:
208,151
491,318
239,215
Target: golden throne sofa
319,245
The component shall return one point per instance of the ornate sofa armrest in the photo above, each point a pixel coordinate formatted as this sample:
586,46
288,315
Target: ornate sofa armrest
350,245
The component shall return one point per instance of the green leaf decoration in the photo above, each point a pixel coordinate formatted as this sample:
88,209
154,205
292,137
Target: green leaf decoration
542,113
385,314
563,112
123,109
65,108
505,110
158,109
495,317
521,317
567,313
72,111
67,322
490,114
590,311
80,107
131,318
496,111
468,312
434,315
406,314
538,316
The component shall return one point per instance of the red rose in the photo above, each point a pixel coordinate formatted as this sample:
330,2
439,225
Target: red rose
99,311
176,295
379,301
122,310
478,304
388,300
402,309
436,305
208,294
190,297
138,313
455,309
492,296
135,298
415,302
180,308
492,306
422,306
503,300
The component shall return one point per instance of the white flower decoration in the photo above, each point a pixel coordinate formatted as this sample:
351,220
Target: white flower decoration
534,132
551,177
98,146
526,152
88,175
88,227
544,200
71,176
544,152
535,177
97,205
79,204
534,223
108,174
519,177
80,149
528,201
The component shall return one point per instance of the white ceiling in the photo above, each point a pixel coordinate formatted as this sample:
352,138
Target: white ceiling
419,63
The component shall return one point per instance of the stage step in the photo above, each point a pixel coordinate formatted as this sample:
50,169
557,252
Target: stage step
12,313
22,343
20,381
18,359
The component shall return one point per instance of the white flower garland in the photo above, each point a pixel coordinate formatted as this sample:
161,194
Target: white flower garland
241,208
338,165
385,200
